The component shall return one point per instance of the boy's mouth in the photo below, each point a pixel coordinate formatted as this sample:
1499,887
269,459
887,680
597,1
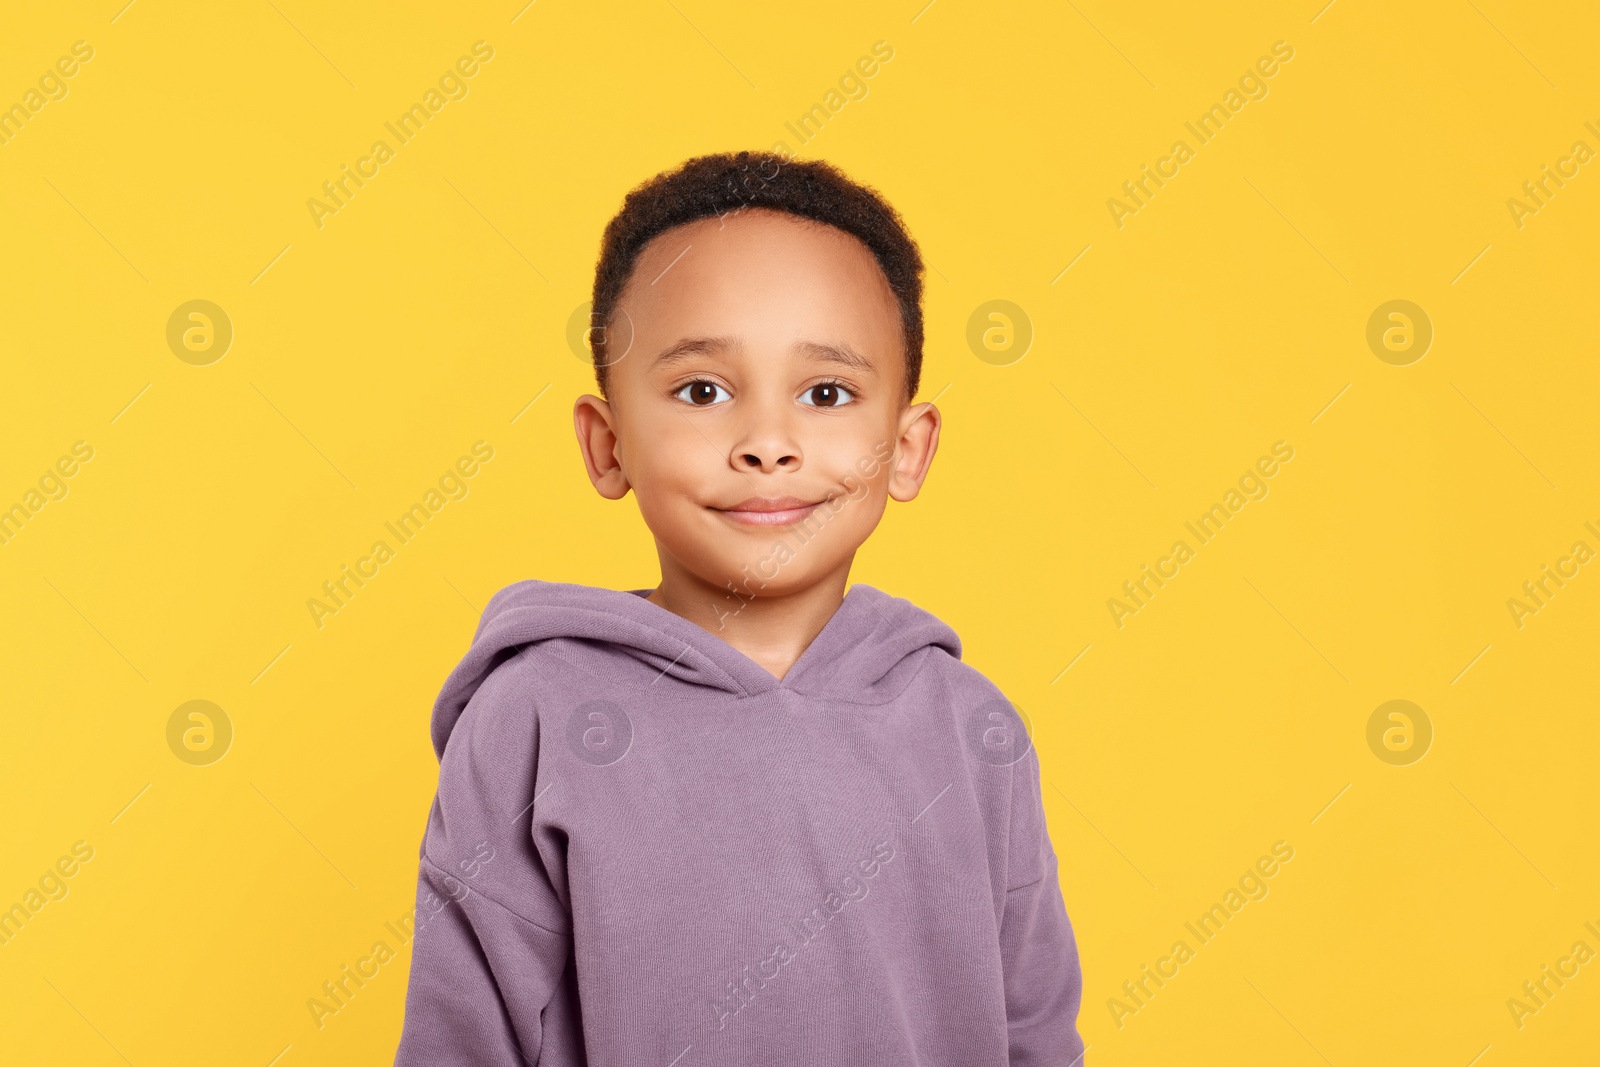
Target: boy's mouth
769,511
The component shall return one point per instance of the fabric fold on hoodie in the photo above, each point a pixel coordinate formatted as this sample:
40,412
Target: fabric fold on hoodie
645,848
533,610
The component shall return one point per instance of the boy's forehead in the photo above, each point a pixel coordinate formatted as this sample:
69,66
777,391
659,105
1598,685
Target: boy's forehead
756,267
748,239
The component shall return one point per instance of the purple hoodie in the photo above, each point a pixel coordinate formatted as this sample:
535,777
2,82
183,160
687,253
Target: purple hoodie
646,851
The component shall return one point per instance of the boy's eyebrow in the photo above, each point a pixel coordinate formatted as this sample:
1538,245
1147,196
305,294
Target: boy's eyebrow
836,353
689,347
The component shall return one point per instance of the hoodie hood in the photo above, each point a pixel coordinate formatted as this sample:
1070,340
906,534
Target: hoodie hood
866,654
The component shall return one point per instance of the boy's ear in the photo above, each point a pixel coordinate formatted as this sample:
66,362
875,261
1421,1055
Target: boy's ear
591,418
919,440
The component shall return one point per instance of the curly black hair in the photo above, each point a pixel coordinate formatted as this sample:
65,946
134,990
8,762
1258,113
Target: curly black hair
719,184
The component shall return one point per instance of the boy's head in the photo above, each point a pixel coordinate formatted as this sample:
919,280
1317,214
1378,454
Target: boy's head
717,186
758,341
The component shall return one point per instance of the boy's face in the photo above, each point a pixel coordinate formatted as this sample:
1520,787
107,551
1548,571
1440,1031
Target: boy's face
757,402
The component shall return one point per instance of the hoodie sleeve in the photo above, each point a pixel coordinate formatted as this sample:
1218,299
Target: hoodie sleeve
1043,983
492,936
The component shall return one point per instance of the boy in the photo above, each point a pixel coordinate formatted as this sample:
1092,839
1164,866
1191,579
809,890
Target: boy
745,817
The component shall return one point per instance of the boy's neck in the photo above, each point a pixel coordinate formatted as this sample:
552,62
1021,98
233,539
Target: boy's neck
772,630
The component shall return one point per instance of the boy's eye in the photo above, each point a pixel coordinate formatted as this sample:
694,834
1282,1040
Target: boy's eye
826,395
701,393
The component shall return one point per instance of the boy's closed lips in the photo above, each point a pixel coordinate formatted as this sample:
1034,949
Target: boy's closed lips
765,511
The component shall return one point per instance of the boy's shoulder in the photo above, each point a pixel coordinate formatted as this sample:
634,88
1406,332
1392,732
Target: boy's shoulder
996,729
946,663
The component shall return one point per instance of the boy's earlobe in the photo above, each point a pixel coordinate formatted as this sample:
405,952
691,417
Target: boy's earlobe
919,440
597,441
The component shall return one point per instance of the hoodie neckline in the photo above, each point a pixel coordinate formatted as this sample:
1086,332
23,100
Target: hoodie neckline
866,653
838,634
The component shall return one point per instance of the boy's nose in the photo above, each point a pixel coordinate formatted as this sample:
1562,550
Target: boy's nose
778,458
767,446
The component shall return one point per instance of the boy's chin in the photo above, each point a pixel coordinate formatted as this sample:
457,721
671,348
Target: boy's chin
760,575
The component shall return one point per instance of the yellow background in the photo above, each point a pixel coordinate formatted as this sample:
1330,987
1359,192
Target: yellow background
1224,316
